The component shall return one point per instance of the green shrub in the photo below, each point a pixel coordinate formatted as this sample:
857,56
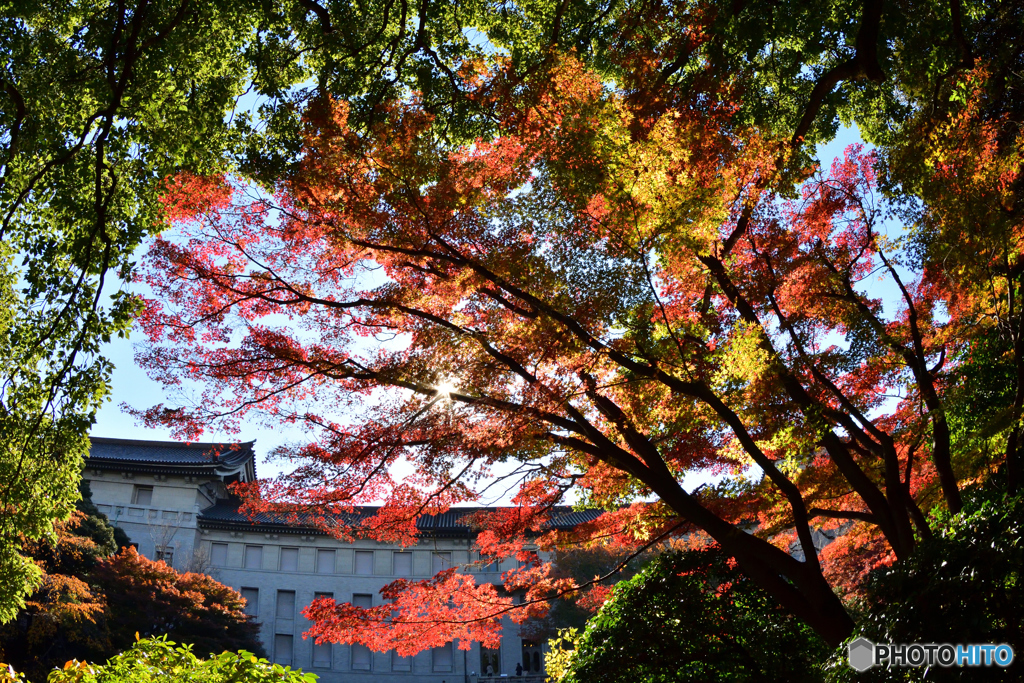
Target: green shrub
962,586
158,660
690,616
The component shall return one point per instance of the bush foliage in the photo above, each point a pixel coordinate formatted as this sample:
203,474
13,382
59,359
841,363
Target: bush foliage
961,586
691,616
158,660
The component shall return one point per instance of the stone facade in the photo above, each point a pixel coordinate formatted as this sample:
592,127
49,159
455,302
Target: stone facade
172,501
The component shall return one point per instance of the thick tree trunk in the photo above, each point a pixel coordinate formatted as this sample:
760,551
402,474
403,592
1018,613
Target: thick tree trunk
1012,462
798,586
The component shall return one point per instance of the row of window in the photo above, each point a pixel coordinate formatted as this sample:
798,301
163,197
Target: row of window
285,605
441,658
361,659
327,560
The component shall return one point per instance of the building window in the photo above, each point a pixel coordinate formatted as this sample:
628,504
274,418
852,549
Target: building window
440,561
361,657
253,557
165,554
324,561
283,649
285,604
219,554
142,495
252,600
364,562
364,600
402,564
289,559
400,663
490,661
443,658
322,656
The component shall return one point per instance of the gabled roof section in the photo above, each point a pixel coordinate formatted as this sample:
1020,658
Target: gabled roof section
225,515
173,457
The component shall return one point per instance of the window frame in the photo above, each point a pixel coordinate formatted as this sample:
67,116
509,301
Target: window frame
352,659
395,656
330,656
253,605
291,647
355,562
394,557
281,556
438,558
437,668
165,554
325,552
138,488
213,555
245,556
277,605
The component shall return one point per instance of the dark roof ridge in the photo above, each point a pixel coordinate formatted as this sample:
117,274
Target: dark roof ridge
225,513
176,444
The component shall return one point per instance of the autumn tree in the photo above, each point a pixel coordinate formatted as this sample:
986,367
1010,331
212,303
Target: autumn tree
639,276
101,103
65,617
98,593
152,599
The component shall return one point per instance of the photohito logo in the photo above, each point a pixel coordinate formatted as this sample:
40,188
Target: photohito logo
863,654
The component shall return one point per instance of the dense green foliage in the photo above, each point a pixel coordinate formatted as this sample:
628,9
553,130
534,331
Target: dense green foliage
158,660
690,616
98,103
966,585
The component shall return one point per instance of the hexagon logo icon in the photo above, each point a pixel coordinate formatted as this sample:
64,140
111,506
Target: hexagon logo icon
862,654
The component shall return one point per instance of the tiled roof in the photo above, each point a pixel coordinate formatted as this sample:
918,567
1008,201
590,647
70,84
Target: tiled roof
170,452
225,514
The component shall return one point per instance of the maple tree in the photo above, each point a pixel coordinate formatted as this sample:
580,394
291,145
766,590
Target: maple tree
630,282
97,594
100,102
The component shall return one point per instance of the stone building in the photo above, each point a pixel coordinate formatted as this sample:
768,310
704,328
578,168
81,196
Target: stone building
172,500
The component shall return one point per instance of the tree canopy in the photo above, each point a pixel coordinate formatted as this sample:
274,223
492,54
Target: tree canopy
597,254
639,275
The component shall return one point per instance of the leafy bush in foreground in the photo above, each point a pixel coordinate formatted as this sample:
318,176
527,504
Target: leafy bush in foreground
159,660
962,586
691,616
